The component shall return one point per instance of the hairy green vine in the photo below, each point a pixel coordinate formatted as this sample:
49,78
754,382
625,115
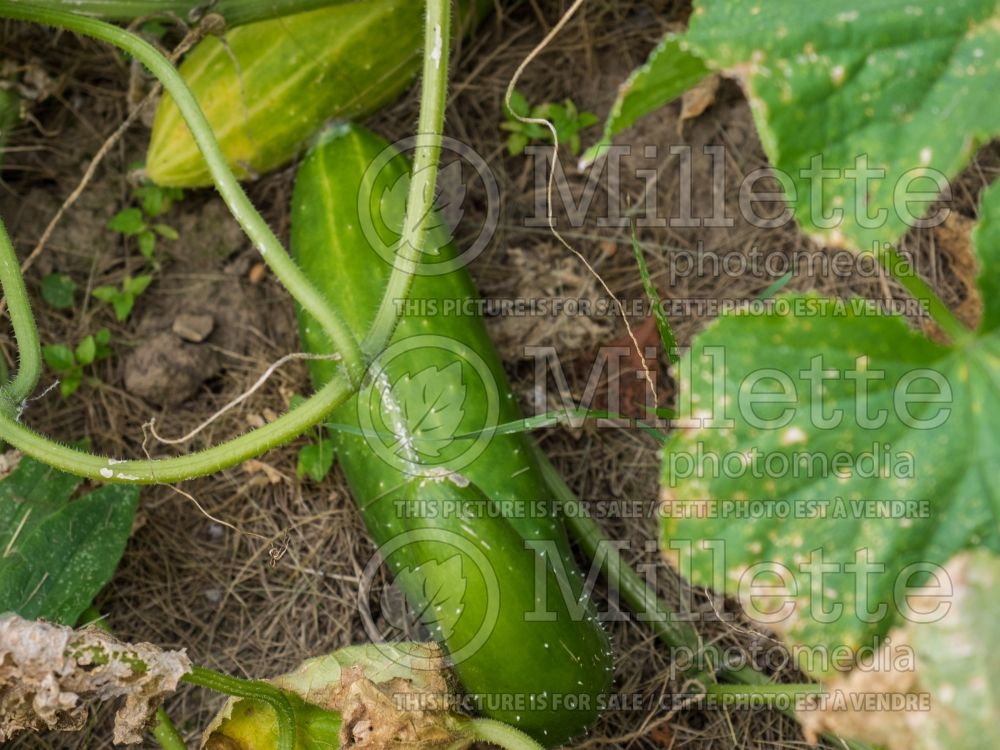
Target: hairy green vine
255,690
420,200
419,204
303,291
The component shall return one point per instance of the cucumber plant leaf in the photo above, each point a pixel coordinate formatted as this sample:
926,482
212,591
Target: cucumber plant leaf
669,71
952,660
56,553
807,423
896,86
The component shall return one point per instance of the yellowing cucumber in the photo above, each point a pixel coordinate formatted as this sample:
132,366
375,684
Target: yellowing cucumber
266,87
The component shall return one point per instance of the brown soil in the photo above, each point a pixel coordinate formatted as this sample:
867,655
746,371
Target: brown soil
277,581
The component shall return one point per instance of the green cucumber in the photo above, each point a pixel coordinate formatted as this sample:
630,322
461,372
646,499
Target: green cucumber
426,470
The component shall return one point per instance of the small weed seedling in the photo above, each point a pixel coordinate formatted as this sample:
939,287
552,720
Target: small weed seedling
123,299
69,363
59,290
140,221
565,117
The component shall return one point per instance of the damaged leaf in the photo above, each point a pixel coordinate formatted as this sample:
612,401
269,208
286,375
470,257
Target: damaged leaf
49,674
372,696
863,105
950,681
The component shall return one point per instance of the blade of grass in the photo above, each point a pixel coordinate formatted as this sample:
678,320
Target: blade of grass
662,322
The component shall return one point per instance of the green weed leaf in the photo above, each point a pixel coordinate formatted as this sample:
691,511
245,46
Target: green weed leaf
59,290
70,381
105,293
147,243
662,321
166,231
315,460
57,554
128,221
86,351
58,356
123,304
136,285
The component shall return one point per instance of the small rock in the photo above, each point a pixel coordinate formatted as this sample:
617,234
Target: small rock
193,328
168,371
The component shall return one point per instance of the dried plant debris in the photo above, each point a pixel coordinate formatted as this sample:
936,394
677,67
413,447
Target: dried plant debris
381,696
48,674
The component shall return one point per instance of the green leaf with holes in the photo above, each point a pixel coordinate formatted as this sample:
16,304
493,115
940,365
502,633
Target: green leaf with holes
56,554
670,70
834,455
898,86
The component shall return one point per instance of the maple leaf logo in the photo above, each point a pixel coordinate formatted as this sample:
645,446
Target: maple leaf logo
437,593
447,208
431,403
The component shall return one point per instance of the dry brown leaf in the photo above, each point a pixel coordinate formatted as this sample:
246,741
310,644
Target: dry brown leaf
893,729
953,239
48,673
632,387
699,98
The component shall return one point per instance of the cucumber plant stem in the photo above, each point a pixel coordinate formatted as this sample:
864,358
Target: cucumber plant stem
502,735
255,690
234,11
642,599
29,349
177,469
165,733
420,200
